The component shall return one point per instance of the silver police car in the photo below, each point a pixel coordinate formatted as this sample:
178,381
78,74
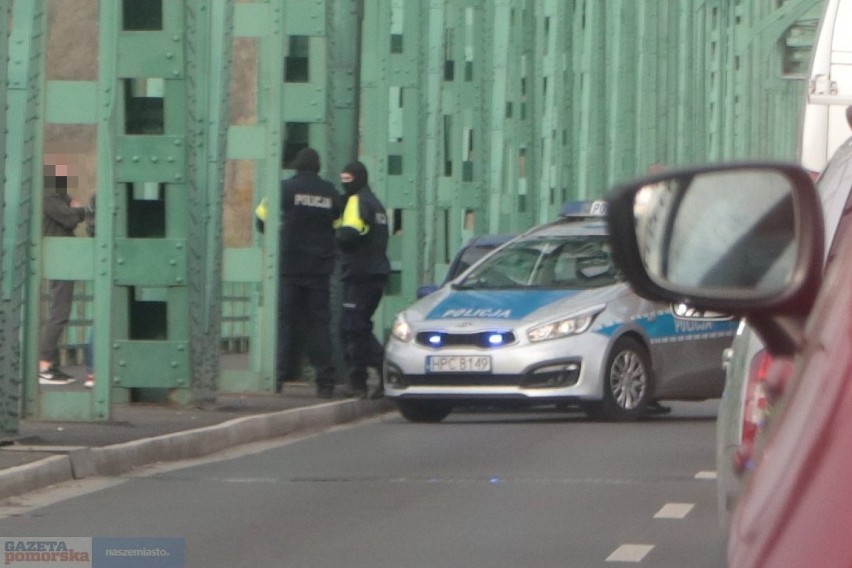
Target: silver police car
546,319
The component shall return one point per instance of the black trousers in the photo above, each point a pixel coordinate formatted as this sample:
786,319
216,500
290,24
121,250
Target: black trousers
304,320
61,298
360,347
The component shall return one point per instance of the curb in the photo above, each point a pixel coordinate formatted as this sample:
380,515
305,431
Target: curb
120,458
35,475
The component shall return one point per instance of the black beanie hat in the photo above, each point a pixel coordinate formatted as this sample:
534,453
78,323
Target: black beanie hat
307,160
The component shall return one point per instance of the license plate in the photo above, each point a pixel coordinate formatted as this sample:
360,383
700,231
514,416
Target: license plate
458,364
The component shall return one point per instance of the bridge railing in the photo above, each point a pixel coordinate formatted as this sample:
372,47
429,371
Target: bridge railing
235,329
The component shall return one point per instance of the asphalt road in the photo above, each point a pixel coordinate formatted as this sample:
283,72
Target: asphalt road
540,489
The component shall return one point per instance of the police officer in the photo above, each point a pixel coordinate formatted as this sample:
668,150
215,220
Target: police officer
363,241
310,209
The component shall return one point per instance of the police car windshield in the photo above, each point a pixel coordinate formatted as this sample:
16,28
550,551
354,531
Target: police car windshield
572,262
468,258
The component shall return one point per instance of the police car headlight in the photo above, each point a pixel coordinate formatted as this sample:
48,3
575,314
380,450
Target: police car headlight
574,325
401,329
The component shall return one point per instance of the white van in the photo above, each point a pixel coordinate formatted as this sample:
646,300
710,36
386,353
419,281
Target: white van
824,126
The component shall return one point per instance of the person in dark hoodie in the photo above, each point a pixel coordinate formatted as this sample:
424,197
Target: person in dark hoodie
363,240
310,210
61,216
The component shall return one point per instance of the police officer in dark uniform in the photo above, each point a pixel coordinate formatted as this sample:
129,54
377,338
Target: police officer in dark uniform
310,210
363,240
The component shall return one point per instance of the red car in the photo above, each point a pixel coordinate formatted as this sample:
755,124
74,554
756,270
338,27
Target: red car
747,239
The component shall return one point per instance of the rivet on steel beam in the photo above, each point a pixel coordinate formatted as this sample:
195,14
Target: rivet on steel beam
116,380
155,159
135,158
173,262
119,158
122,363
170,55
120,261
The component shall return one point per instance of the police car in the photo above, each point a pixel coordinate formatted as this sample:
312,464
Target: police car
547,319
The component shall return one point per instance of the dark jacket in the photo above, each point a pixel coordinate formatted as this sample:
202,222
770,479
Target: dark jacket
310,207
363,233
60,219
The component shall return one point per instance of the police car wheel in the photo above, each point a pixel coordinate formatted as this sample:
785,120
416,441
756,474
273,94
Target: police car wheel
627,383
422,411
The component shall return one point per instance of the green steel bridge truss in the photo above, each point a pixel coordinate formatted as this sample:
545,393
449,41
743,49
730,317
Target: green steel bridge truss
471,117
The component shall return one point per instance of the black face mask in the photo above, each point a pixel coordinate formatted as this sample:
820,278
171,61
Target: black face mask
359,177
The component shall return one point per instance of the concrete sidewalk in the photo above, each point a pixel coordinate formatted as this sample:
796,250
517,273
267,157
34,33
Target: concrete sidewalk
45,453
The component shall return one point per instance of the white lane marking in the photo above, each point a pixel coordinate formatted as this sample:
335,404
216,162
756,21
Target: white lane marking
705,475
630,553
674,510
250,480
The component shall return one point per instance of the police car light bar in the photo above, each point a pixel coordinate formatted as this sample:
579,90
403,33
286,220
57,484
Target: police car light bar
583,209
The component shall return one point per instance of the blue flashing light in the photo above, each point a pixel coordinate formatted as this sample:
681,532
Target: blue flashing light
435,340
495,339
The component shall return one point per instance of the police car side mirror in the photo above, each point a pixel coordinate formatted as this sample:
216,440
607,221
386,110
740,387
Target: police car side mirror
744,239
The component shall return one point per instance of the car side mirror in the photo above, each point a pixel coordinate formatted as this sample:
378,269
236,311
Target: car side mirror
741,239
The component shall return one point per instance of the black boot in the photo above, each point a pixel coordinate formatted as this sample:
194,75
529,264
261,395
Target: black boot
359,391
379,392
325,390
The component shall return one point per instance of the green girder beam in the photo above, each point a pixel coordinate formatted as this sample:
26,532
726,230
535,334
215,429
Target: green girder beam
472,117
